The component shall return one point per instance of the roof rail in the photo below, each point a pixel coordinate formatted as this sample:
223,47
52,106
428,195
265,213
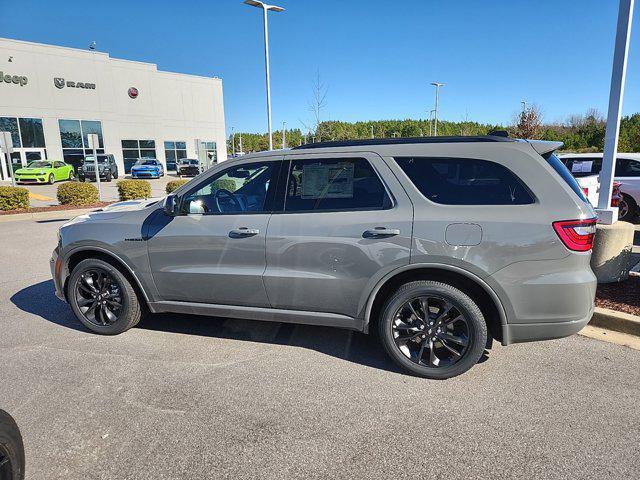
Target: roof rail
405,141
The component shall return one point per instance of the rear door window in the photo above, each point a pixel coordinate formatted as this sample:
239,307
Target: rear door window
465,181
334,184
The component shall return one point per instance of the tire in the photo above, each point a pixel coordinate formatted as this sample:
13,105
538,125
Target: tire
630,211
115,174
52,179
12,459
463,319
107,176
71,176
130,311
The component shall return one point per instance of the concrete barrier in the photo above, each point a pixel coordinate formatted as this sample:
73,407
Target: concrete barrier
611,257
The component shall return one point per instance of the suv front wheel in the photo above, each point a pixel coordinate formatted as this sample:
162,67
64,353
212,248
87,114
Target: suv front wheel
102,298
432,329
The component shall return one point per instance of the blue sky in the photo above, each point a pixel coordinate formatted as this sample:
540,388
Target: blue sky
377,58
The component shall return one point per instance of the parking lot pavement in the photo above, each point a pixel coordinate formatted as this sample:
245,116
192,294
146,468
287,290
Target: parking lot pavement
44,194
188,397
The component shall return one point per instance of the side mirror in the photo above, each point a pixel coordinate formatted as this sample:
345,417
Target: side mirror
170,205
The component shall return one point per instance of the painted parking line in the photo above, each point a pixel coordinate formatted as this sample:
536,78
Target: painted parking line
37,196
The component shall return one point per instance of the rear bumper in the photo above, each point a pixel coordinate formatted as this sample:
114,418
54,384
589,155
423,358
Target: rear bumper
531,332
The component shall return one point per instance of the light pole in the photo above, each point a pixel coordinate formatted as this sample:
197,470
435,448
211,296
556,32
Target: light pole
435,122
265,9
284,140
430,121
233,142
524,105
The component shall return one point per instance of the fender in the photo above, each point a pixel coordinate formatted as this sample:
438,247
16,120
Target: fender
441,266
109,253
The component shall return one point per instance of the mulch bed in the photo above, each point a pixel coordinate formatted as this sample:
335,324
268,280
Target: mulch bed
54,208
623,296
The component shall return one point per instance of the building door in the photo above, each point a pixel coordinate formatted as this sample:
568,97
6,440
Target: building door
28,155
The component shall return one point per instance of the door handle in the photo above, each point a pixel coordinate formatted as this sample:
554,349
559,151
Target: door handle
381,232
243,232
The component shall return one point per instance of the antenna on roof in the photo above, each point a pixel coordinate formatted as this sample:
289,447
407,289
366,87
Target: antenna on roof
92,45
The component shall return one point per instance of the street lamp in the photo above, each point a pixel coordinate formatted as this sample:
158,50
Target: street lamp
265,8
435,122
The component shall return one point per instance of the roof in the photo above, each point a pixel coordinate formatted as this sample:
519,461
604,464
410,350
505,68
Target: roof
405,141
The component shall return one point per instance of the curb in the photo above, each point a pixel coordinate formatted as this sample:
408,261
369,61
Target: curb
62,214
616,321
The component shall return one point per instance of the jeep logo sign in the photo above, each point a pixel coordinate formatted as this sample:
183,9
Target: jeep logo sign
17,79
60,83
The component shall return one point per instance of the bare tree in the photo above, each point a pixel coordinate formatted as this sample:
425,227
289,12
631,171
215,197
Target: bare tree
528,123
316,107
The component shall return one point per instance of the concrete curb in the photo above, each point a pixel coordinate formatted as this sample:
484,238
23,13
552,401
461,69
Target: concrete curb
616,321
62,214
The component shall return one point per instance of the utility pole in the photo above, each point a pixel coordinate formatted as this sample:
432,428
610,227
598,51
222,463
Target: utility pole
435,123
606,214
241,143
284,141
524,105
233,142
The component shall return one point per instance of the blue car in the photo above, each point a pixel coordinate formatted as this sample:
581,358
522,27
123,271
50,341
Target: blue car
147,168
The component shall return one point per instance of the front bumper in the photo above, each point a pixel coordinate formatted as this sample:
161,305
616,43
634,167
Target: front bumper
145,174
55,264
31,179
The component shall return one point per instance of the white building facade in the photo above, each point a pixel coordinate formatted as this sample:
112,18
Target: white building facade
52,97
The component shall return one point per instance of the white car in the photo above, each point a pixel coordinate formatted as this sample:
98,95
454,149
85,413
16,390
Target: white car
586,168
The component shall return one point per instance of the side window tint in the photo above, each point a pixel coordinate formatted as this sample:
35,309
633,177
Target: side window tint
465,181
334,184
583,166
240,189
627,168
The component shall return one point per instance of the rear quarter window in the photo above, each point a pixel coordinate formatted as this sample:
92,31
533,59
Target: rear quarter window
465,181
564,172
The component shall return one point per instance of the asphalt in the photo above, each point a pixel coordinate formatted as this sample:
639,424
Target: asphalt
195,398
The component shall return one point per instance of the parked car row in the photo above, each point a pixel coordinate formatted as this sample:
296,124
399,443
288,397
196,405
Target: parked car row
586,167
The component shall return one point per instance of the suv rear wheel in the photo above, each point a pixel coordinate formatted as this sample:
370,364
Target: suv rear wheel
102,298
627,208
432,329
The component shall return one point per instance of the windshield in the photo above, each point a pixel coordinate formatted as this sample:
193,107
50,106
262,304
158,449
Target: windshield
146,162
39,164
89,159
564,172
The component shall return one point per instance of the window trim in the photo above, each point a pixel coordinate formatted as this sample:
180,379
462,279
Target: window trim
269,199
466,205
282,192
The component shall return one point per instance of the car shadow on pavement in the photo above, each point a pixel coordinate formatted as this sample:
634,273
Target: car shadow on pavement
40,300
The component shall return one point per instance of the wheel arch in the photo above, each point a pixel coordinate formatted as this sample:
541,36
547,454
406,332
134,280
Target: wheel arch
486,298
80,254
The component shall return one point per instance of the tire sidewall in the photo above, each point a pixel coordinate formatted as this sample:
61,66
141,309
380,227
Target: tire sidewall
632,208
462,302
11,439
123,323
52,179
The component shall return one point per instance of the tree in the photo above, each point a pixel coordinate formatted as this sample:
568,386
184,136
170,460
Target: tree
528,123
316,106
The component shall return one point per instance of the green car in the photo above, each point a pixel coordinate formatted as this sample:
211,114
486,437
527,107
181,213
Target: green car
44,171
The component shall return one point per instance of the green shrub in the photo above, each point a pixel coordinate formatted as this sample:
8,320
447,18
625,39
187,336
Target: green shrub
77,193
12,198
174,184
225,183
133,189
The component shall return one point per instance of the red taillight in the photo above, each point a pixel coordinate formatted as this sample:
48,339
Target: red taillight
585,190
577,235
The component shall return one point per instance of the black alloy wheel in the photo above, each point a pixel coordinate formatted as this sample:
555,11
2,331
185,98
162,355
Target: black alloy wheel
433,329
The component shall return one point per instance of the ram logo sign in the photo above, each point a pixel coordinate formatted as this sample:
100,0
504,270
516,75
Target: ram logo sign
61,83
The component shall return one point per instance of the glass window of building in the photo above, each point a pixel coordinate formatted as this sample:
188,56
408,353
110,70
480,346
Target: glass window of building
174,151
9,124
31,132
132,150
212,153
73,136
27,135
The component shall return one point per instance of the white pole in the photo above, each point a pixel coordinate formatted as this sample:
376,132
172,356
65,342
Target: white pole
233,142
93,143
284,141
625,15
266,62
435,115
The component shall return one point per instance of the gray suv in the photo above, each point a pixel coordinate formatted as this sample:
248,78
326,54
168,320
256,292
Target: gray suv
438,245
107,167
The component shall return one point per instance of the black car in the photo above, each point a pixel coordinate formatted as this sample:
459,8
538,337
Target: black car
106,165
188,167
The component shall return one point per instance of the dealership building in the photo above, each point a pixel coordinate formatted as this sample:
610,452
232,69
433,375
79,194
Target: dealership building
52,97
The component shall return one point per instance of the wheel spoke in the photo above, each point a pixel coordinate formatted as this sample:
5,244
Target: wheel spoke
451,349
424,303
88,281
413,310
433,359
110,317
451,320
460,340
420,352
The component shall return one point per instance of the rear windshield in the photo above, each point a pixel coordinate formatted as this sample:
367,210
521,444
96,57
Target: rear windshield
564,172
